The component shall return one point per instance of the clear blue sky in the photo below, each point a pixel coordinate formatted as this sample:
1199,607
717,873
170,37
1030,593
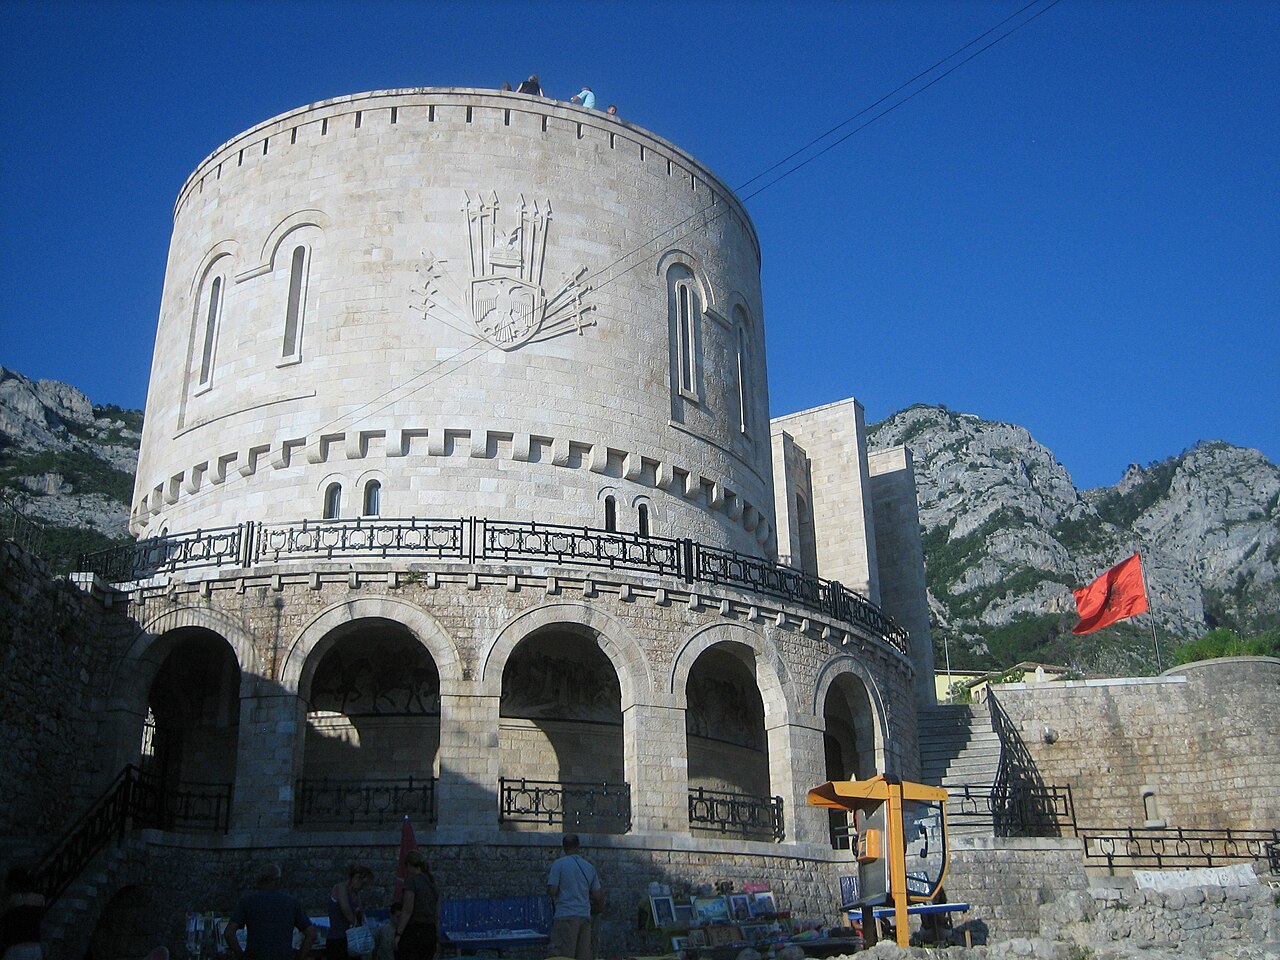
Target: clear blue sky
1079,231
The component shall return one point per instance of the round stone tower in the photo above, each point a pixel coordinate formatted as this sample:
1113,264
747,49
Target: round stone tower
433,303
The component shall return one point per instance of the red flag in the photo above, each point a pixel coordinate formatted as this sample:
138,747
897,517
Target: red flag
1115,595
407,842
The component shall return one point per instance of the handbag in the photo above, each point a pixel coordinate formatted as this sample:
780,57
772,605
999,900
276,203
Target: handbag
359,940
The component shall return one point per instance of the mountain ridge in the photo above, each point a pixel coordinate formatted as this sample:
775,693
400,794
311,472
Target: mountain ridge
1007,535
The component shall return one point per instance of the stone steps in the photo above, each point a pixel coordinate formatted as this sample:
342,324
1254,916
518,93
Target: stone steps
959,748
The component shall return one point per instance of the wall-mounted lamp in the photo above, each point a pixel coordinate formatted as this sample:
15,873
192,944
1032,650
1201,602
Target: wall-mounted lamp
1049,735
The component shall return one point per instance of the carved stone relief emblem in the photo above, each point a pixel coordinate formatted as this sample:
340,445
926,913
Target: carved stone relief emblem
504,300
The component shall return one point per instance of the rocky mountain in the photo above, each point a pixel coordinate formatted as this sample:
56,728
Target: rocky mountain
67,464
1007,536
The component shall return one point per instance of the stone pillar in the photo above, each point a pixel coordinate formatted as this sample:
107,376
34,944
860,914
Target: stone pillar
467,773
268,756
657,767
797,762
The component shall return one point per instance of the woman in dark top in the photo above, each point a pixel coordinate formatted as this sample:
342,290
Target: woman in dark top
345,910
531,86
20,918
418,926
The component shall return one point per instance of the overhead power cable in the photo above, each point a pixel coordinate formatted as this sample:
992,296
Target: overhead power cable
705,214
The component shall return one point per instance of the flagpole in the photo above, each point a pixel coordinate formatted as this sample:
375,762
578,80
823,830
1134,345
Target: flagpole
1150,613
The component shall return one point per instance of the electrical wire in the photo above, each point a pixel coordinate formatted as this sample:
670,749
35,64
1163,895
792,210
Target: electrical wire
350,416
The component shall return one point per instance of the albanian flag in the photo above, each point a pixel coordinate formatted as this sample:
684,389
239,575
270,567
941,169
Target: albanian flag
1115,595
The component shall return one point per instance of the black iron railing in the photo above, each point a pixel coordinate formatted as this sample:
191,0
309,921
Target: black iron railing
593,807
1176,847
473,540
365,802
1018,810
741,814
133,800
18,527
215,547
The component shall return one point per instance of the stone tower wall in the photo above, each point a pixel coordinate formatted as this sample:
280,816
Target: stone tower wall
362,360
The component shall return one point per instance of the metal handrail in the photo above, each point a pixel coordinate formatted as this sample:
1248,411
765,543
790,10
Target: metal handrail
744,814
369,800
133,799
1177,846
581,805
475,540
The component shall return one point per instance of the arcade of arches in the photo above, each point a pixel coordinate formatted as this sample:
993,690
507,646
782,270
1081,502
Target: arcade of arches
369,698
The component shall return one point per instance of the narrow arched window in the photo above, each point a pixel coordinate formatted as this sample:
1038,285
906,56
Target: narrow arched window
213,310
372,498
297,298
610,514
333,501
642,519
684,322
744,413
685,312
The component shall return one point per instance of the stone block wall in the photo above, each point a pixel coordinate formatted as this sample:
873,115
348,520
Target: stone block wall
57,650
1202,736
1008,879
174,875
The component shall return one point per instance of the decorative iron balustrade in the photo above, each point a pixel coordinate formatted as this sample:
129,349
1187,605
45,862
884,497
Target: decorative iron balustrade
133,799
592,807
367,802
473,540
412,537
742,814
184,805
1013,811
18,527
579,546
1176,847
178,551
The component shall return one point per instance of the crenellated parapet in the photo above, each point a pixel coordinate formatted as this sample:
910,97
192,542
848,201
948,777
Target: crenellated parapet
442,302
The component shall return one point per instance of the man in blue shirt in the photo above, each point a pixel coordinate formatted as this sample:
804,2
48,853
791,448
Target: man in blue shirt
575,887
271,916
585,97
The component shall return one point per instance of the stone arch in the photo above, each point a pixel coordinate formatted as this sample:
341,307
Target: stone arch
614,640
291,223
774,681
314,639
223,248
154,642
847,665
677,255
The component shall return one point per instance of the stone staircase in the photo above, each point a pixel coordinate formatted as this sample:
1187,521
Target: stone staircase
73,916
958,748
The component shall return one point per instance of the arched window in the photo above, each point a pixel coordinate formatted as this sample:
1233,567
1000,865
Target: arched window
744,364
298,265
642,519
372,498
685,312
212,314
610,514
333,501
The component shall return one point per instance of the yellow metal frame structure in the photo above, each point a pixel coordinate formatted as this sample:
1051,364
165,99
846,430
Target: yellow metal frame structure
866,795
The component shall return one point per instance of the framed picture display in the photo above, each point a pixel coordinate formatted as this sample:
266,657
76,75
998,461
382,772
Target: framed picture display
710,910
664,911
684,914
753,933
697,937
679,944
762,904
740,907
723,933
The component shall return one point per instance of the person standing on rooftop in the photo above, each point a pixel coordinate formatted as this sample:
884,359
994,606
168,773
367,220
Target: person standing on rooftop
531,86
584,97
